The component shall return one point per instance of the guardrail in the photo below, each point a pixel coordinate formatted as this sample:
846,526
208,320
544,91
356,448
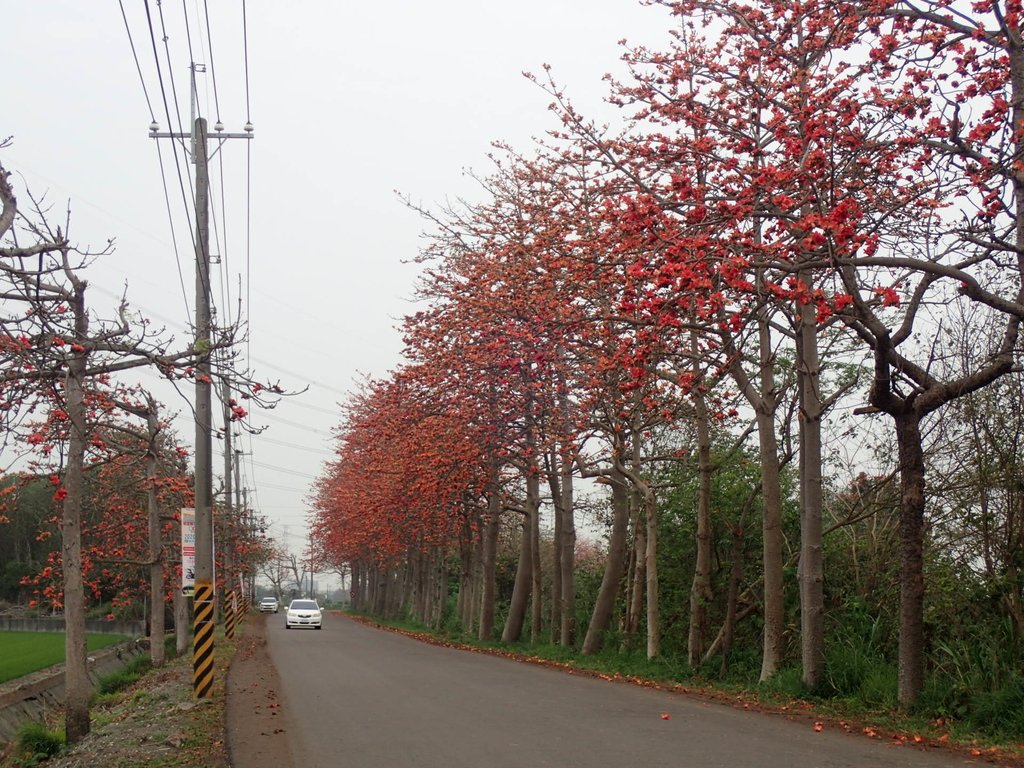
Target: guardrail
56,624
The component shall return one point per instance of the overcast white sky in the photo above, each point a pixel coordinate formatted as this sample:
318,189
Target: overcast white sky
350,101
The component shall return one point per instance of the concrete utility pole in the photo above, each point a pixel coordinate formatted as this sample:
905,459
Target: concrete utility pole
203,613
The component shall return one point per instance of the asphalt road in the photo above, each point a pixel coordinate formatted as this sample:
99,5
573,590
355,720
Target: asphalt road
359,697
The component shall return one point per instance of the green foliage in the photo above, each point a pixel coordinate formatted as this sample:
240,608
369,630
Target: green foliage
857,666
1000,711
117,681
37,743
10,579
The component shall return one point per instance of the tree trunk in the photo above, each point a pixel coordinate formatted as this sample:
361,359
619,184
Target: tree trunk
700,591
912,487
156,560
524,571
811,570
521,589
556,549
771,496
537,597
78,687
181,627
605,603
568,561
638,576
651,564
468,545
489,563
735,577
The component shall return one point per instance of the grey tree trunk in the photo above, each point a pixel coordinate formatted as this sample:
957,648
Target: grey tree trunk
524,571
701,594
181,628
78,687
765,405
912,489
489,563
556,549
812,599
156,560
536,593
651,564
601,617
567,543
638,577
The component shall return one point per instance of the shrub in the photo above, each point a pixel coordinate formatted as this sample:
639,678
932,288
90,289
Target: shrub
132,672
36,742
1000,711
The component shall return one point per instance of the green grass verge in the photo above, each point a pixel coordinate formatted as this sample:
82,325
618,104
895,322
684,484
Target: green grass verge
22,653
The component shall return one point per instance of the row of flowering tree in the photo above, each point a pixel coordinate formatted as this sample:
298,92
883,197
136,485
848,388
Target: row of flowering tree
69,419
801,197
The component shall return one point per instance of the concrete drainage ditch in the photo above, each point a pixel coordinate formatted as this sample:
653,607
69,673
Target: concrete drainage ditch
31,697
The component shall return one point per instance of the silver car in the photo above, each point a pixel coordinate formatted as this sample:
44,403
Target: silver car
268,605
303,613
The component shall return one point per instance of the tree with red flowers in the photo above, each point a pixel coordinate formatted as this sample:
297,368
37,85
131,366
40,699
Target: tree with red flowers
58,353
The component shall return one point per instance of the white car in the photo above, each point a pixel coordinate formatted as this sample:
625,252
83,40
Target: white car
268,605
303,613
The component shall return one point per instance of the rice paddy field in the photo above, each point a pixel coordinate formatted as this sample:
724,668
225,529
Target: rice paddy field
22,653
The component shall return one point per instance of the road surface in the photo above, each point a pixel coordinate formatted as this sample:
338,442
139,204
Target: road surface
359,697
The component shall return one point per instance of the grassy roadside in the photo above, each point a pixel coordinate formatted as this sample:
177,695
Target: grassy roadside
876,722
22,653
148,718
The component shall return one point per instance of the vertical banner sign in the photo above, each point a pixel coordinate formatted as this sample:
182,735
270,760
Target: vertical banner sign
188,551
245,595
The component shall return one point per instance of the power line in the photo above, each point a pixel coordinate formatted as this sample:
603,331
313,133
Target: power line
213,69
245,42
296,446
284,471
188,30
138,67
163,175
167,111
174,237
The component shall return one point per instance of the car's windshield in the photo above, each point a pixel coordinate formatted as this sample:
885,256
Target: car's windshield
303,605
269,599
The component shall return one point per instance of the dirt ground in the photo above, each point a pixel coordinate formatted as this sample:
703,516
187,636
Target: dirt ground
257,725
156,723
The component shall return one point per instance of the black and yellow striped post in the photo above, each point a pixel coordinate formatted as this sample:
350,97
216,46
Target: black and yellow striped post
202,643
229,614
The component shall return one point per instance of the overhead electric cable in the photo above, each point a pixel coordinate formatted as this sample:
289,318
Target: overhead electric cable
284,471
213,69
245,44
163,174
177,164
296,446
138,67
174,94
188,31
174,237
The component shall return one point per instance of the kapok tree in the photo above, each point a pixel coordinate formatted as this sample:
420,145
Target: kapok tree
945,85
135,483
395,496
61,349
